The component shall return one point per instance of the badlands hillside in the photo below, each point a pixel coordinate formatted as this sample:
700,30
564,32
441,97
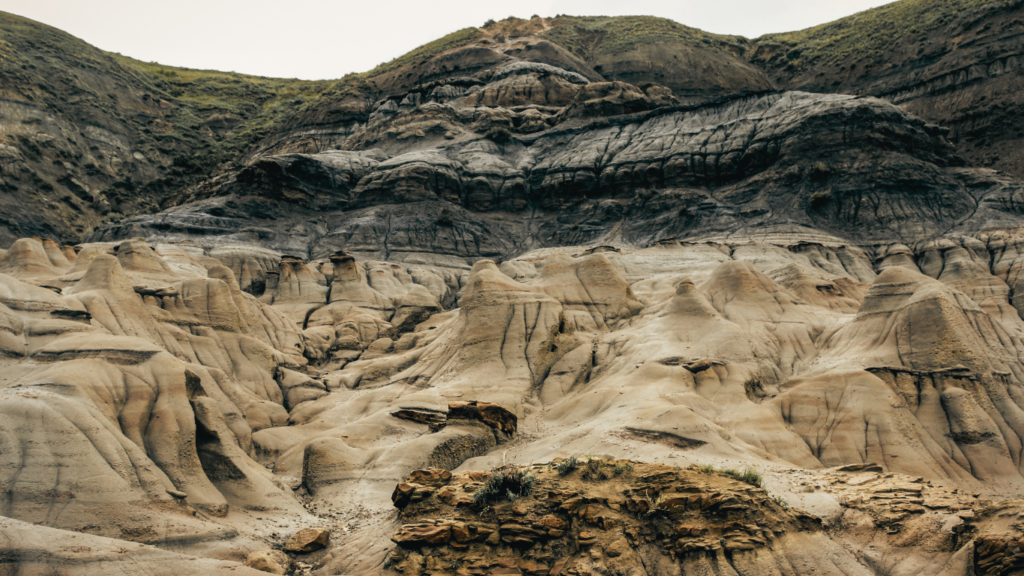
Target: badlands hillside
561,296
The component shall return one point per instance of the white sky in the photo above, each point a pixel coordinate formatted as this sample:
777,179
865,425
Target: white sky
318,39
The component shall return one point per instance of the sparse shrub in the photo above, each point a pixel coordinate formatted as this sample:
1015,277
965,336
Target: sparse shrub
490,22
654,505
706,469
505,484
782,503
114,218
619,470
455,563
484,495
567,466
596,469
749,476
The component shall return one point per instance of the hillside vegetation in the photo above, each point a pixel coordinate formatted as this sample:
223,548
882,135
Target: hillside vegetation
873,33
589,36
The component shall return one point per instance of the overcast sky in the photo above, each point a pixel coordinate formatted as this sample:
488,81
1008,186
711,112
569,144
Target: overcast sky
317,39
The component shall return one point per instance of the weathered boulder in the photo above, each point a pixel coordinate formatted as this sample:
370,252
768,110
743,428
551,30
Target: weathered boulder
308,540
423,534
487,412
272,561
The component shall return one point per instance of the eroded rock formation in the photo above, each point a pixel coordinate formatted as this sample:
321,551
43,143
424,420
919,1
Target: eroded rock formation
724,326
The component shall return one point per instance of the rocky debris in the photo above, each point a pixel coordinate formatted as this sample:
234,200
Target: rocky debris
420,485
272,561
435,420
489,413
308,540
434,477
889,499
680,513
998,554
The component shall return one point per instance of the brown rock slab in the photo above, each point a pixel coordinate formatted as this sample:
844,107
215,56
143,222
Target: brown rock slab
423,534
435,477
487,412
308,540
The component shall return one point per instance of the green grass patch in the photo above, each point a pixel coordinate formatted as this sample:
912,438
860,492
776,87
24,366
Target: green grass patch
566,466
748,476
874,32
456,39
589,36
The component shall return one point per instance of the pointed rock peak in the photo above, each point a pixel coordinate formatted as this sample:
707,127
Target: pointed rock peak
54,253
486,277
135,255
224,273
71,252
898,275
603,280
690,302
85,258
898,286
686,288
481,265
739,290
740,279
28,257
104,273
